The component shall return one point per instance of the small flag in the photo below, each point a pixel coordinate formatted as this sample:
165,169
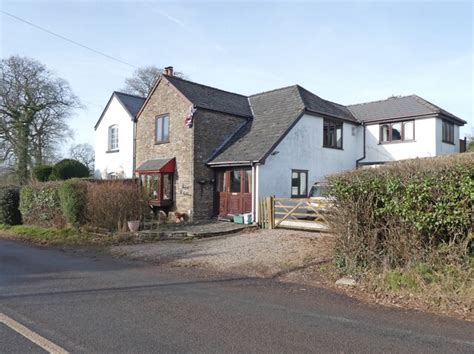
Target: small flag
189,117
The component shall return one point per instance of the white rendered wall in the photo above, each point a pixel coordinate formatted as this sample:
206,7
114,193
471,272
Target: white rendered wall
445,148
120,162
424,145
302,149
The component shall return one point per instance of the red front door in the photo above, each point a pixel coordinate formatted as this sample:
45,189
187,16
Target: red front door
234,191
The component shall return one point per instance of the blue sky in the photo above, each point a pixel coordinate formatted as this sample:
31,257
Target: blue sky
347,52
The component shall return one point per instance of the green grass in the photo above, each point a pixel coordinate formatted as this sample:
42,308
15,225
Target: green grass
51,236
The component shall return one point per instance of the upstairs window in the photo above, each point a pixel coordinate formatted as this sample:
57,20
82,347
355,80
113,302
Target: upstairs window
332,134
162,127
397,131
448,132
299,183
113,138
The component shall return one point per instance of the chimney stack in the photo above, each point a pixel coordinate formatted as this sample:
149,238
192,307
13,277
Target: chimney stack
169,71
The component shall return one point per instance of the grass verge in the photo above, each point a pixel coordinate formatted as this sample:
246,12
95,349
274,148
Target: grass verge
62,237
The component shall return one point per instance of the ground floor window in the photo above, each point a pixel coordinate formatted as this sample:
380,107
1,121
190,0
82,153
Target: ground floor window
448,132
299,183
158,186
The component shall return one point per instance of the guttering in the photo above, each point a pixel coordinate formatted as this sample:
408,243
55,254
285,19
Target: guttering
231,163
364,154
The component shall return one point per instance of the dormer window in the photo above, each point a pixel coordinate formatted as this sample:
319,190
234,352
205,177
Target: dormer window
113,138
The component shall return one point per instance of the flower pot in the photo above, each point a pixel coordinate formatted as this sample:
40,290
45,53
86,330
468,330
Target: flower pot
134,225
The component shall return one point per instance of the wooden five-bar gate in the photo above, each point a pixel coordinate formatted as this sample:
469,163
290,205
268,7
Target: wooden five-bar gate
293,213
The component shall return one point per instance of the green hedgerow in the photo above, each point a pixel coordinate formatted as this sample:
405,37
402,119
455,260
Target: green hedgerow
9,205
69,168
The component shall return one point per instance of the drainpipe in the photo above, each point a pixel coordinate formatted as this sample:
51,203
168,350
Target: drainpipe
364,155
253,191
134,148
257,169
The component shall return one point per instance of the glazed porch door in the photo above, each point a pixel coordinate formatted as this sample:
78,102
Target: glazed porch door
234,192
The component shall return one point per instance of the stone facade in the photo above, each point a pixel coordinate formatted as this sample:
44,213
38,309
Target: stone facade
211,129
167,100
191,147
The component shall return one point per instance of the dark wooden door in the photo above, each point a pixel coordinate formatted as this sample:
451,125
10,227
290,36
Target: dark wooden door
234,192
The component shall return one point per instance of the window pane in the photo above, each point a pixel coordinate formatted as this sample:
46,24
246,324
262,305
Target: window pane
339,136
409,132
384,133
295,183
166,126
167,186
221,182
303,183
159,129
396,131
247,181
325,134
235,181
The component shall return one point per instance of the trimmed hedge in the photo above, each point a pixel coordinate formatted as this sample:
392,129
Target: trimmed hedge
73,199
9,203
69,168
40,205
42,173
398,213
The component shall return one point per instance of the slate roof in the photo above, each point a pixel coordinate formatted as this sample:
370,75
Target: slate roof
316,104
398,107
272,114
212,98
153,165
131,103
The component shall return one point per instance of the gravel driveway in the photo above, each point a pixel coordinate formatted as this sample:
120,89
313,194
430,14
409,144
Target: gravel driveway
260,253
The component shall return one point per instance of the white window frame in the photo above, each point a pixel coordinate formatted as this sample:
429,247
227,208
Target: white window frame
113,138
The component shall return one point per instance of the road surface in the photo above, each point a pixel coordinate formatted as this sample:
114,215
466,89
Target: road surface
81,302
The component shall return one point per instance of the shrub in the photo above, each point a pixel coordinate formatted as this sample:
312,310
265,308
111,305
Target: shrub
110,205
9,203
398,214
40,205
73,199
42,173
68,168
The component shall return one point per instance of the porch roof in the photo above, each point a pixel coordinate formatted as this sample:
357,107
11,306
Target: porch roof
166,165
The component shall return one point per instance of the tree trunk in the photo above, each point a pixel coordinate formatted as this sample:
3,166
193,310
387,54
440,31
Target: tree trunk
22,153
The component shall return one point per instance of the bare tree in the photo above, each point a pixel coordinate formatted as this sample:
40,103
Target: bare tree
144,79
34,106
84,153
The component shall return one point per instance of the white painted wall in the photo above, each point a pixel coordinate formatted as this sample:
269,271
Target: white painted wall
302,149
427,143
444,148
120,162
424,144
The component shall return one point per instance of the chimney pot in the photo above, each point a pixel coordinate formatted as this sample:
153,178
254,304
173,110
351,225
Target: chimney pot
169,71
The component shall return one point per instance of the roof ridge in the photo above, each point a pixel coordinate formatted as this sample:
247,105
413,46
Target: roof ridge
277,89
427,103
376,101
199,84
129,94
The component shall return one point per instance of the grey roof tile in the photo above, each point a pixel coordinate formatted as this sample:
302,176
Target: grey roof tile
398,107
212,98
153,165
131,103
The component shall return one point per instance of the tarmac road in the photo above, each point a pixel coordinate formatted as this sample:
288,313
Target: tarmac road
85,302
